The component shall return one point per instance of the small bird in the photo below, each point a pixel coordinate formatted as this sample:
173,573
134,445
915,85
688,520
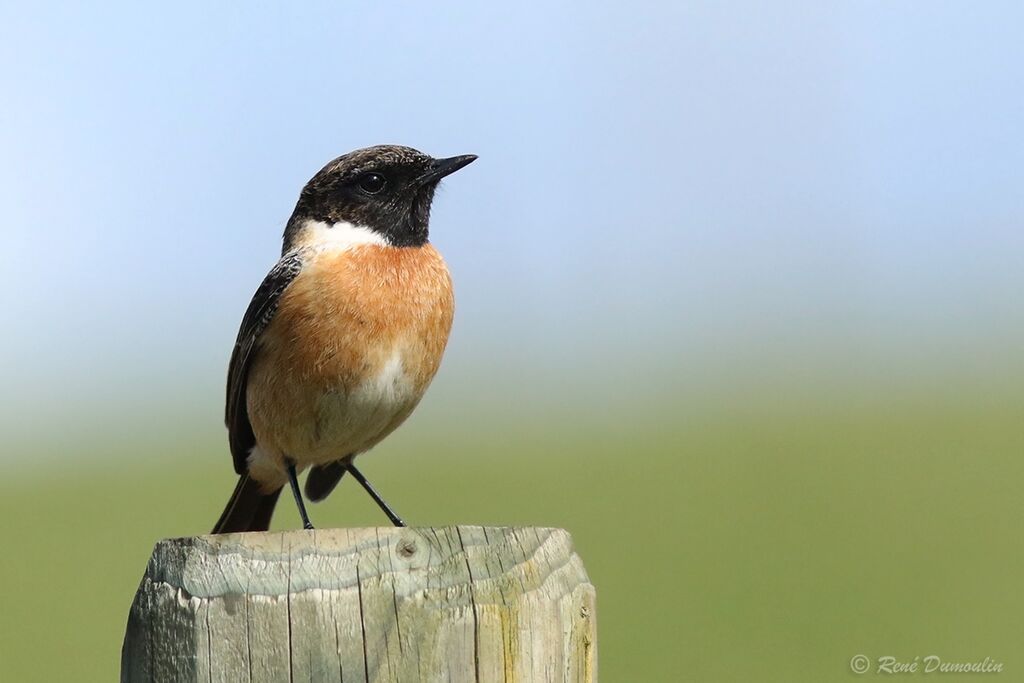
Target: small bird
343,336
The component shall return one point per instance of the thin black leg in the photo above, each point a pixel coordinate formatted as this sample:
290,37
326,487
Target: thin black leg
294,481
395,519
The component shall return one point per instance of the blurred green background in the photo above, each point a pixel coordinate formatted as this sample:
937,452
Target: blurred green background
738,295
768,540
765,538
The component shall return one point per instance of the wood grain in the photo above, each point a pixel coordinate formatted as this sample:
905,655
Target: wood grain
460,603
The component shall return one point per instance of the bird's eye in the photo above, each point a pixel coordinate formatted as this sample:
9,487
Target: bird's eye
372,183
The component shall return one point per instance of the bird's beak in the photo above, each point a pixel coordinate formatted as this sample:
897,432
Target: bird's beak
443,167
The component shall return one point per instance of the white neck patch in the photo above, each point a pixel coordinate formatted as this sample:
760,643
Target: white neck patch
340,235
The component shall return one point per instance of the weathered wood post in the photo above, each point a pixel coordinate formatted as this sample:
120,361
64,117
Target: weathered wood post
459,603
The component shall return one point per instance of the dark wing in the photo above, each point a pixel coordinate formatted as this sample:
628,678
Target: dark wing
257,317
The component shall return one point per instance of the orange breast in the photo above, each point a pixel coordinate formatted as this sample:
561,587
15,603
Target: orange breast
347,318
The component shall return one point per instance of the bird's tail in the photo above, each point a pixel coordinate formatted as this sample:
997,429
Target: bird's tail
249,509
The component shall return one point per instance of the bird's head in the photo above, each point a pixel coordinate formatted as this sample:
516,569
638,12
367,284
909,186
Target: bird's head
378,194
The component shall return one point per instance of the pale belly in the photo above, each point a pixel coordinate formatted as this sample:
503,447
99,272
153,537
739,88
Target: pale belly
348,422
317,422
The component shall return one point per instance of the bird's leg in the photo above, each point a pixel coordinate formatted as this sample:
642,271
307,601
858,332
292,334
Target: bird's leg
294,481
395,519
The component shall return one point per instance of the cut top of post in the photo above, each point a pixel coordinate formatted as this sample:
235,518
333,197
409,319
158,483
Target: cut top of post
493,603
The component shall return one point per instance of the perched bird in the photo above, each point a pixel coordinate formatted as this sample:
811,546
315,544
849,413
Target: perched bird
342,338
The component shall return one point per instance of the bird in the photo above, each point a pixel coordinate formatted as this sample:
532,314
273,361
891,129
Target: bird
344,334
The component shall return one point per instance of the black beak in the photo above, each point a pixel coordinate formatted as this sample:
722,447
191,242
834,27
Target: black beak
443,167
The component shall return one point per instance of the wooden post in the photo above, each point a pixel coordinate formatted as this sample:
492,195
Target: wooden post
462,603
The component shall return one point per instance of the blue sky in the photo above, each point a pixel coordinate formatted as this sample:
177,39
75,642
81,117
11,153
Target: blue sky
660,186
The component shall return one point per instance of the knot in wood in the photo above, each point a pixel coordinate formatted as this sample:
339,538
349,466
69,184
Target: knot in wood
407,547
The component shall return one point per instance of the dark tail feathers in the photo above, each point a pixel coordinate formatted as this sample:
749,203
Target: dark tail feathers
323,478
249,509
